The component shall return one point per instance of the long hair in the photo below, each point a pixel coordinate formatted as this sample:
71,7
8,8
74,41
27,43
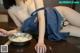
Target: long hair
8,3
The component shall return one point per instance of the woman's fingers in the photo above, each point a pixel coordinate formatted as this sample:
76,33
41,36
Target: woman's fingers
40,48
45,49
3,32
36,47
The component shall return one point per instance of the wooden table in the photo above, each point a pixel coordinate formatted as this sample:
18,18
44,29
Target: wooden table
53,47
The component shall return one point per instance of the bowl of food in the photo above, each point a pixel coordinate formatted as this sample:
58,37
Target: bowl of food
20,38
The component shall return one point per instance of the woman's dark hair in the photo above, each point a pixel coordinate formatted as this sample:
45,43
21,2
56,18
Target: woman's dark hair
8,3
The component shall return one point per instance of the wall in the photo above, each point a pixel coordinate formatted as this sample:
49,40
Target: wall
52,3
3,18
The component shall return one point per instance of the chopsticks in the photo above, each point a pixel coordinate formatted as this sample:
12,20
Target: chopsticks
8,42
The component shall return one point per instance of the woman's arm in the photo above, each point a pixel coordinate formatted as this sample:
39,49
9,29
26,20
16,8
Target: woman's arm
41,18
36,4
12,31
6,33
40,47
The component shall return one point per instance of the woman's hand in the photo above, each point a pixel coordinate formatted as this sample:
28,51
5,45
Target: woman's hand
3,32
40,48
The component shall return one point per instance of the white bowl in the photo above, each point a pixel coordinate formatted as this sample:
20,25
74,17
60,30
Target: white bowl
20,37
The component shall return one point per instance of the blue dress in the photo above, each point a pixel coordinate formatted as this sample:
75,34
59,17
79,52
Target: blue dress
53,24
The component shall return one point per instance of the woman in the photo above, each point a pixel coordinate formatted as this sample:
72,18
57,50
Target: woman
21,10
71,16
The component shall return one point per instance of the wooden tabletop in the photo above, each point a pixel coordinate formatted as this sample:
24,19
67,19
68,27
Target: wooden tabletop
52,47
